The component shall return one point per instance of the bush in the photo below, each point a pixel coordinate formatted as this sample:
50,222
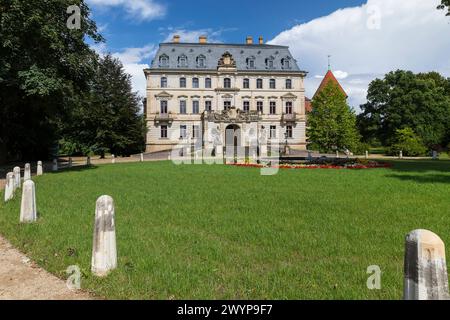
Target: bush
407,142
361,148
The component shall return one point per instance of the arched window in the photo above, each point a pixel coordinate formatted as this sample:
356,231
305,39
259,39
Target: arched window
288,84
286,63
251,62
259,83
208,83
164,61
201,61
182,61
183,82
163,82
269,62
227,83
195,83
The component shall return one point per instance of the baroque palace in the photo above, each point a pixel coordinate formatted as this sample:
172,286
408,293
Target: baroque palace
198,92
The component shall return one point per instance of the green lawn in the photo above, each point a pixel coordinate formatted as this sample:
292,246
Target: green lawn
199,231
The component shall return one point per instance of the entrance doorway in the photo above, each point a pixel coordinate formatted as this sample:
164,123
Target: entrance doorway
232,139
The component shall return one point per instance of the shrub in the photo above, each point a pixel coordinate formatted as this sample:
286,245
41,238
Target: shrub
408,142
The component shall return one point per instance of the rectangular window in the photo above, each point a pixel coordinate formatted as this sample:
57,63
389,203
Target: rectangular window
246,106
273,107
195,83
272,84
195,131
289,107
288,84
163,82
226,105
289,131
273,132
183,106
182,82
246,84
208,83
260,106
163,131
163,107
183,131
208,105
195,107
259,83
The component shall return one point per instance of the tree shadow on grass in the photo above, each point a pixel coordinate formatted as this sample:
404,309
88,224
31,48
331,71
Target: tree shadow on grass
72,169
421,171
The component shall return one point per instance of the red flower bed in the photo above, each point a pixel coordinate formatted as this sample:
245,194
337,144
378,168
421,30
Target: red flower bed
371,165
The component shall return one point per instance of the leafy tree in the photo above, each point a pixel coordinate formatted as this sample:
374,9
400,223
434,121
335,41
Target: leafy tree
408,142
42,65
108,119
331,122
445,4
404,99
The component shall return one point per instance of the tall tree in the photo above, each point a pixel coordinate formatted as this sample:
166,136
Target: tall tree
445,4
404,99
108,119
43,64
332,123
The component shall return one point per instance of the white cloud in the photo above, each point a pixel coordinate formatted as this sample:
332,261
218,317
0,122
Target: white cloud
193,35
371,40
137,9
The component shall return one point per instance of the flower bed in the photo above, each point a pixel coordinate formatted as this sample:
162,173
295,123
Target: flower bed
356,164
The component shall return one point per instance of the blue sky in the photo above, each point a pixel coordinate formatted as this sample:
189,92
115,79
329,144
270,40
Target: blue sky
366,38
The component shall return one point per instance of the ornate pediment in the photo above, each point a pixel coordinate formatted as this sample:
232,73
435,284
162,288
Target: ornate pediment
163,95
289,96
227,61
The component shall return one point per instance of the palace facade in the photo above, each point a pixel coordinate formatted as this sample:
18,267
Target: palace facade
198,92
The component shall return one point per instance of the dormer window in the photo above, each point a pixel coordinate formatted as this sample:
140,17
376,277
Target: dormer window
270,62
201,61
251,62
164,61
182,61
286,63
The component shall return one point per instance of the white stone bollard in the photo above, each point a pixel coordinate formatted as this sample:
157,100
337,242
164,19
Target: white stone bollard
142,157
88,160
435,155
400,154
367,154
9,187
104,251
28,210
337,154
17,178
39,170
27,172
55,165
113,158
425,268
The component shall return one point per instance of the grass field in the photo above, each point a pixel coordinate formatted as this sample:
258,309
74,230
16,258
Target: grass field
199,231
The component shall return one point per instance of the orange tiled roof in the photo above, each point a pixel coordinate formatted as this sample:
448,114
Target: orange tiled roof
329,77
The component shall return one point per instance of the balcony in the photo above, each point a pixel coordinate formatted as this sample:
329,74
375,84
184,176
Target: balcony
163,118
289,117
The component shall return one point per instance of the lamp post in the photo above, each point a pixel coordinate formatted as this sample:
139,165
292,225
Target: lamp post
286,144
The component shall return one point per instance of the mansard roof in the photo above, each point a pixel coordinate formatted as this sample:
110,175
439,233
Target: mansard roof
213,52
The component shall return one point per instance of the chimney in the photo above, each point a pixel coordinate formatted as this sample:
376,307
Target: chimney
202,39
261,40
176,39
249,40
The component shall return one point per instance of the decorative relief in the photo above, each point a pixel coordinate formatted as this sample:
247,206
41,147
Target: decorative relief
233,116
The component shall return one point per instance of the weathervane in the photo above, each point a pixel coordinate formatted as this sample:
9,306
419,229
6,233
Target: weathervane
329,62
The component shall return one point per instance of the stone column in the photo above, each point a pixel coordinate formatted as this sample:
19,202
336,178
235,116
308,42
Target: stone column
104,251
17,178
27,172
425,267
9,187
28,210
39,170
55,165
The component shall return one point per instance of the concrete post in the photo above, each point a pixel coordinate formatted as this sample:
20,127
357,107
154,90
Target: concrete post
142,157
28,210
104,251
27,172
9,187
425,267
39,170
400,155
113,159
17,178
367,154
